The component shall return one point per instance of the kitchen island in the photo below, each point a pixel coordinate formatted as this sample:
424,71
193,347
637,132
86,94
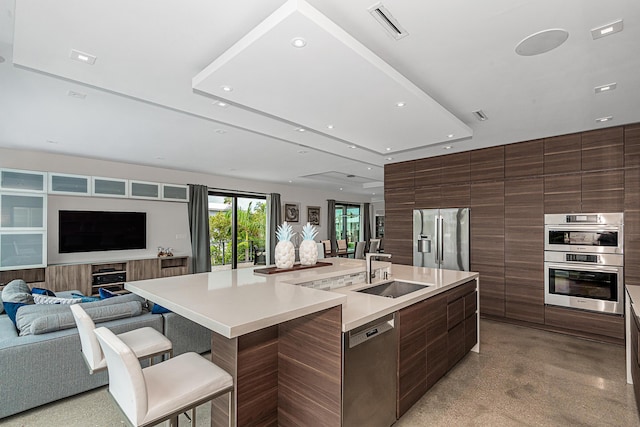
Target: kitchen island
280,335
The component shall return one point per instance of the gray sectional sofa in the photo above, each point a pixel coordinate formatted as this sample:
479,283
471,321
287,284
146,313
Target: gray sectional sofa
39,369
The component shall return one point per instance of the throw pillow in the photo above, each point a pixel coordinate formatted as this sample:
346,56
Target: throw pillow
12,309
42,291
45,299
83,298
106,293
158,309
17,291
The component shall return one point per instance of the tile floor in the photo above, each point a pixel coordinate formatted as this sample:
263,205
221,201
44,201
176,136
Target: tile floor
522,377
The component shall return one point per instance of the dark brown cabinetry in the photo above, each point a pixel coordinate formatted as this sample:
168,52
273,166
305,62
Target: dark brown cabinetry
433,336
635,353
594,171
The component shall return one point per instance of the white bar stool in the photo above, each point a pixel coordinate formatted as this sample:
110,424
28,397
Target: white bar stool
146,343
160,392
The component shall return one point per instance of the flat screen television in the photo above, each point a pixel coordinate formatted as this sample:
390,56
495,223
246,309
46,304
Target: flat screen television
91,231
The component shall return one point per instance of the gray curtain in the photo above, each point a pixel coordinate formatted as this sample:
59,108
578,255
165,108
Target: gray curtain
331,223
274,219
366,221
198,208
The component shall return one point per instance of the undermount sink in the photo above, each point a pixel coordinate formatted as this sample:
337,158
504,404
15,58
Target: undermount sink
393,289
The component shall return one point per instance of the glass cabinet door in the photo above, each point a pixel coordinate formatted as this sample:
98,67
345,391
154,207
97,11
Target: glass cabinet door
22,250
144,190
22,211
12,179
175,192
110,187
77,185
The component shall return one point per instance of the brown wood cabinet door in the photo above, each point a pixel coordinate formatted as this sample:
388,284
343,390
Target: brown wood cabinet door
456,168
632,227
487,164
141,269
412,356
68,277
524,159
563,193
603,191
632,145
399,176
524,249
428,172
562,154
603,149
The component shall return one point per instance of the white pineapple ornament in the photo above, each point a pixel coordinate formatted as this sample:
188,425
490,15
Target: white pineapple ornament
285,252
308,248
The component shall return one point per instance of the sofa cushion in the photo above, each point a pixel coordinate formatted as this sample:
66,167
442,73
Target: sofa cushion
42,291
1,304
58,320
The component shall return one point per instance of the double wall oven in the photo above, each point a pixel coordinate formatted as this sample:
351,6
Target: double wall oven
584,261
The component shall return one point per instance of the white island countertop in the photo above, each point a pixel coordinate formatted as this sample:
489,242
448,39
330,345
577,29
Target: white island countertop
234,303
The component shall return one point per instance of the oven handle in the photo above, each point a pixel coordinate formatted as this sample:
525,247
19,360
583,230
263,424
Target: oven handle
576,227
584,267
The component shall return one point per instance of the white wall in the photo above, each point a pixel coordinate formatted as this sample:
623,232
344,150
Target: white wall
165,220
167,226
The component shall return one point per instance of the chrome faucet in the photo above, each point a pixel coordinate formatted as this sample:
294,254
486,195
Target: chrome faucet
370,273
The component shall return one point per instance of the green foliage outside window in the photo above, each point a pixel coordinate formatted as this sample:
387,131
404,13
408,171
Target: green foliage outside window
251,231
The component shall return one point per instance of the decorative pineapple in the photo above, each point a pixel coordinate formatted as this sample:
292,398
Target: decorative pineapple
308,247
285,252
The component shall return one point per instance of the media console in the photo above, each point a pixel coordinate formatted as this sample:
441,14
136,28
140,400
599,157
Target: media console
89,277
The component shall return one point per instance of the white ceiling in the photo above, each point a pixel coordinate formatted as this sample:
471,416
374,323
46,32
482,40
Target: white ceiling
150,96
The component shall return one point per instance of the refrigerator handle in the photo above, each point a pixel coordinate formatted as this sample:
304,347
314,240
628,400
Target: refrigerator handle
441,241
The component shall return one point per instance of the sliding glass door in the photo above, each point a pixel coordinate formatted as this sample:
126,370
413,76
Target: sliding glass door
347,222
237,230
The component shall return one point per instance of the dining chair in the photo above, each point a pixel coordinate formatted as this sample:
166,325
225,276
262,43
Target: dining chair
359,254
327,247
321,250
148,396
373,245
145,342
342,245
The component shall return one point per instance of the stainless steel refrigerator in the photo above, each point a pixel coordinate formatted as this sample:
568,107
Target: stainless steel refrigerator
441,238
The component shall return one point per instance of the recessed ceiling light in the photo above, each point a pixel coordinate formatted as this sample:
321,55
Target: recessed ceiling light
340,188
605,88
300,129
221,104
227,88
400,104
541,42
352,146
302,151
290,181
447,147
78,95
298,42
51,141
159,158
388,148
82,57
329,126
221,131
480,115
450,135
373,194
389,158
369,168
607,30
604,119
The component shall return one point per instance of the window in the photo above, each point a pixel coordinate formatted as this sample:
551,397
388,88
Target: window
237,230
347,222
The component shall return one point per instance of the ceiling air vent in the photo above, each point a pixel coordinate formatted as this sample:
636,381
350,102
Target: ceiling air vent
384,17
480,115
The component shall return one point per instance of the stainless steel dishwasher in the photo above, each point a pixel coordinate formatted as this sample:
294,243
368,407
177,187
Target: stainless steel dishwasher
369,374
